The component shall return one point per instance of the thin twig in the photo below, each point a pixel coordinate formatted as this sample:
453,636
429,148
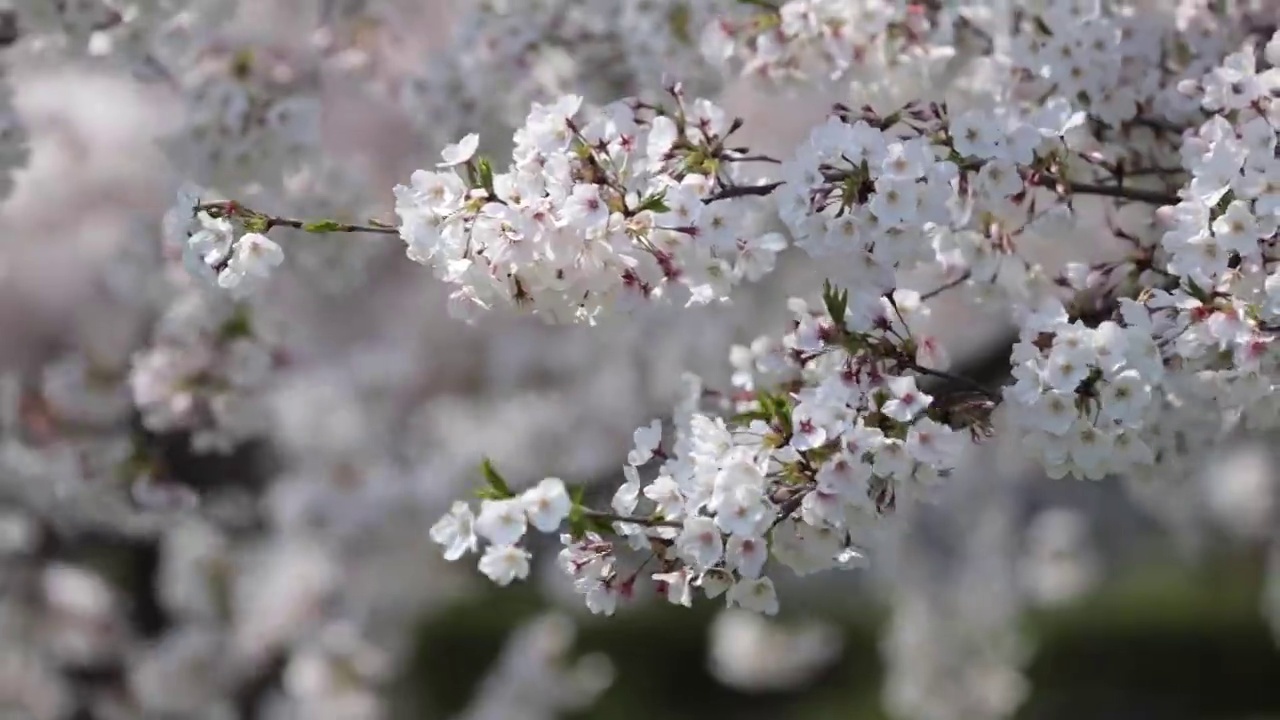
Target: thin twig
752,158
232,209
735,191
964,277
1136,172
958,379
633,520
792,504
273,221
1156,123
1124,193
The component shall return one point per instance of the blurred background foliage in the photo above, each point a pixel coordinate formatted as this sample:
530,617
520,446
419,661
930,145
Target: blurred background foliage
1167,641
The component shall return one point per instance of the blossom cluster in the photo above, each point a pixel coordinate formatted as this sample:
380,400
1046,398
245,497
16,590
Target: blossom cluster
1083,395
632,203
203,373
819,39
851,432
504,55
218,252
1152,128
253,117
138,32
795,477
883,195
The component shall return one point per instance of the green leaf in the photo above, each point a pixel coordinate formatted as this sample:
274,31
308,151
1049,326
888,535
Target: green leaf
836,302
655,203
322,226
577,522
497,489
746,417
1198,292
486,174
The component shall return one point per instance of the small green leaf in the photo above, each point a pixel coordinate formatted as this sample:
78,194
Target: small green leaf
322,226
1197,292
579,523
497,489
486,175
836,301
655,203
747,417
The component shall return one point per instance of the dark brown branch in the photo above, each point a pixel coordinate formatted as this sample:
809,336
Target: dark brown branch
736,191
958,380
751,158
964,277
790,506
1123,193
1156,123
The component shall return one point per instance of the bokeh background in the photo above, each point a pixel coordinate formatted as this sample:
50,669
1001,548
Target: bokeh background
1059,599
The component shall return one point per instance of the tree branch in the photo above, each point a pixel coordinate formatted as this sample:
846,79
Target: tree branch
1124,193
380,229
633,520
233,209
736,191
964,277
959,380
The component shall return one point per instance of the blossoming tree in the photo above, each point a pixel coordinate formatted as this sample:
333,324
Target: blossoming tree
626,187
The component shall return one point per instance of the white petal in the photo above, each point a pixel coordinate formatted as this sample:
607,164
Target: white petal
460,152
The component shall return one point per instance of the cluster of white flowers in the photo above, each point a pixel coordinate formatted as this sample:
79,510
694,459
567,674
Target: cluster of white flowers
816,39
503,522
504,55
850,431
1084,395
137,32
252,117
1111,59
881,196
1167,119
216,251
203,373
794,477
626,206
